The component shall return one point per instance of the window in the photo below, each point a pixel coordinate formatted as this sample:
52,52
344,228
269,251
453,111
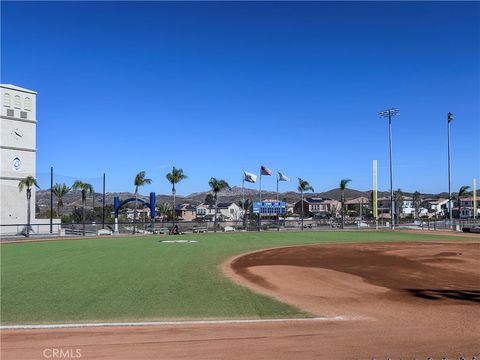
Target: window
23,114
10,112
16,101
27,104
6,99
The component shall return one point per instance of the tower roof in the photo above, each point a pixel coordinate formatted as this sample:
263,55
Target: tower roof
18,88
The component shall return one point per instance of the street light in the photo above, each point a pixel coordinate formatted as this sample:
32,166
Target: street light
384,114
449,118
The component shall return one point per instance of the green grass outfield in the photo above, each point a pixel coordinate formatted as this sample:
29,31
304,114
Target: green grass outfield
138,278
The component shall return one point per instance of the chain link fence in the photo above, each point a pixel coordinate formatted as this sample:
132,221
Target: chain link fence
76,229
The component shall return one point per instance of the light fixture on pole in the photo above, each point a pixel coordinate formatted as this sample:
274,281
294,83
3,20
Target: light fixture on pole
449,118
389,114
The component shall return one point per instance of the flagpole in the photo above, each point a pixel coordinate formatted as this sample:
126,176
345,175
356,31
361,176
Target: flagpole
260,183
243,192
278,216
260,194
277,185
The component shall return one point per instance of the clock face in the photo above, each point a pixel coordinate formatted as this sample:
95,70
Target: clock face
17,133
17,163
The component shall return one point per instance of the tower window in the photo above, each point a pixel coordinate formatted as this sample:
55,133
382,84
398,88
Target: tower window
10,112
23,114
27,104
6,99
16,101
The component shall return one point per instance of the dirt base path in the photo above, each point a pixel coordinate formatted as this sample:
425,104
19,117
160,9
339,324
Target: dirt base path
402,300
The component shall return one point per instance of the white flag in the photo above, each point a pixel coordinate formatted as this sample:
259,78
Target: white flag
282,177
249,177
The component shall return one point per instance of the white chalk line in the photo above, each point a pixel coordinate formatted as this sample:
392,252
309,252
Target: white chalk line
165,323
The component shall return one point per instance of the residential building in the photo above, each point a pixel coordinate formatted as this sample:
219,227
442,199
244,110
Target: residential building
439,207
317,207
205,211
186,212
230,211
226,211
357,206
407,207
466,205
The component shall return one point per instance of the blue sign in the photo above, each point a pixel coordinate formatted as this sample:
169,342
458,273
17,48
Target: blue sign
269,207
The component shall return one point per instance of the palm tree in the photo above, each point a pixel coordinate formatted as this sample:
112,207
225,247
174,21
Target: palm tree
417,201
343,187
87,189
398,197
60,190
303,186
216,186
28,183
246,207
164,209
139,180
461,193
175,177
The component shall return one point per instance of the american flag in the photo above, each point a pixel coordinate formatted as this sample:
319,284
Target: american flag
265,171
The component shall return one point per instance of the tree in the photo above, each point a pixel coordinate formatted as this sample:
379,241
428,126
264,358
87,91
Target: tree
28,183
87,189
417,201
303,186
60,190
343,187
209,199
246,208
165,210
398,197
461,193
216,186
175,177
140,180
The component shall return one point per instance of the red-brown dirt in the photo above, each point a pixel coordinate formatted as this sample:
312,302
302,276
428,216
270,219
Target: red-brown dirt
399,300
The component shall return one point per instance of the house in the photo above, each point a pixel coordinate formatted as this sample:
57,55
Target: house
358,206
317,207
407,207
230,211
226,211
141,213
466,205
205,211
437,206
186,212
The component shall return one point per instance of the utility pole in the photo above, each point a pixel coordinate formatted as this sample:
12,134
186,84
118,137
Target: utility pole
384,114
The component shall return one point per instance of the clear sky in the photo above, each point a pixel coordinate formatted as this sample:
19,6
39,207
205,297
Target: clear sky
215,88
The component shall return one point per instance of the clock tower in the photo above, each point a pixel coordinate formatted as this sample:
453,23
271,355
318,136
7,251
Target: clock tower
17,154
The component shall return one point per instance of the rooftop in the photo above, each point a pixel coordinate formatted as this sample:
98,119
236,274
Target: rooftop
18,88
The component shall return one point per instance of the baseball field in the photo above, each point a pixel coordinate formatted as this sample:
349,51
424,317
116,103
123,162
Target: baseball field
334,295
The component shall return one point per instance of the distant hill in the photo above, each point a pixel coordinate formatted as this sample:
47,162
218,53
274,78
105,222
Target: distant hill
73,199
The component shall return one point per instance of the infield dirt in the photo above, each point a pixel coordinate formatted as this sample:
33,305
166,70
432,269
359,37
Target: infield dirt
399,300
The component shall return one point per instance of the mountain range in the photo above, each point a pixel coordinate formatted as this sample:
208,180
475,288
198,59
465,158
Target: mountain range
73,198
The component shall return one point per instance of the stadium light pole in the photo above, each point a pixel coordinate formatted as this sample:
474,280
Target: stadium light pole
389,114
449,118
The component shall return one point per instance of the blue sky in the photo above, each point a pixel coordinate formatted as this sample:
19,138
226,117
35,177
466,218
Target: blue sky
215,88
